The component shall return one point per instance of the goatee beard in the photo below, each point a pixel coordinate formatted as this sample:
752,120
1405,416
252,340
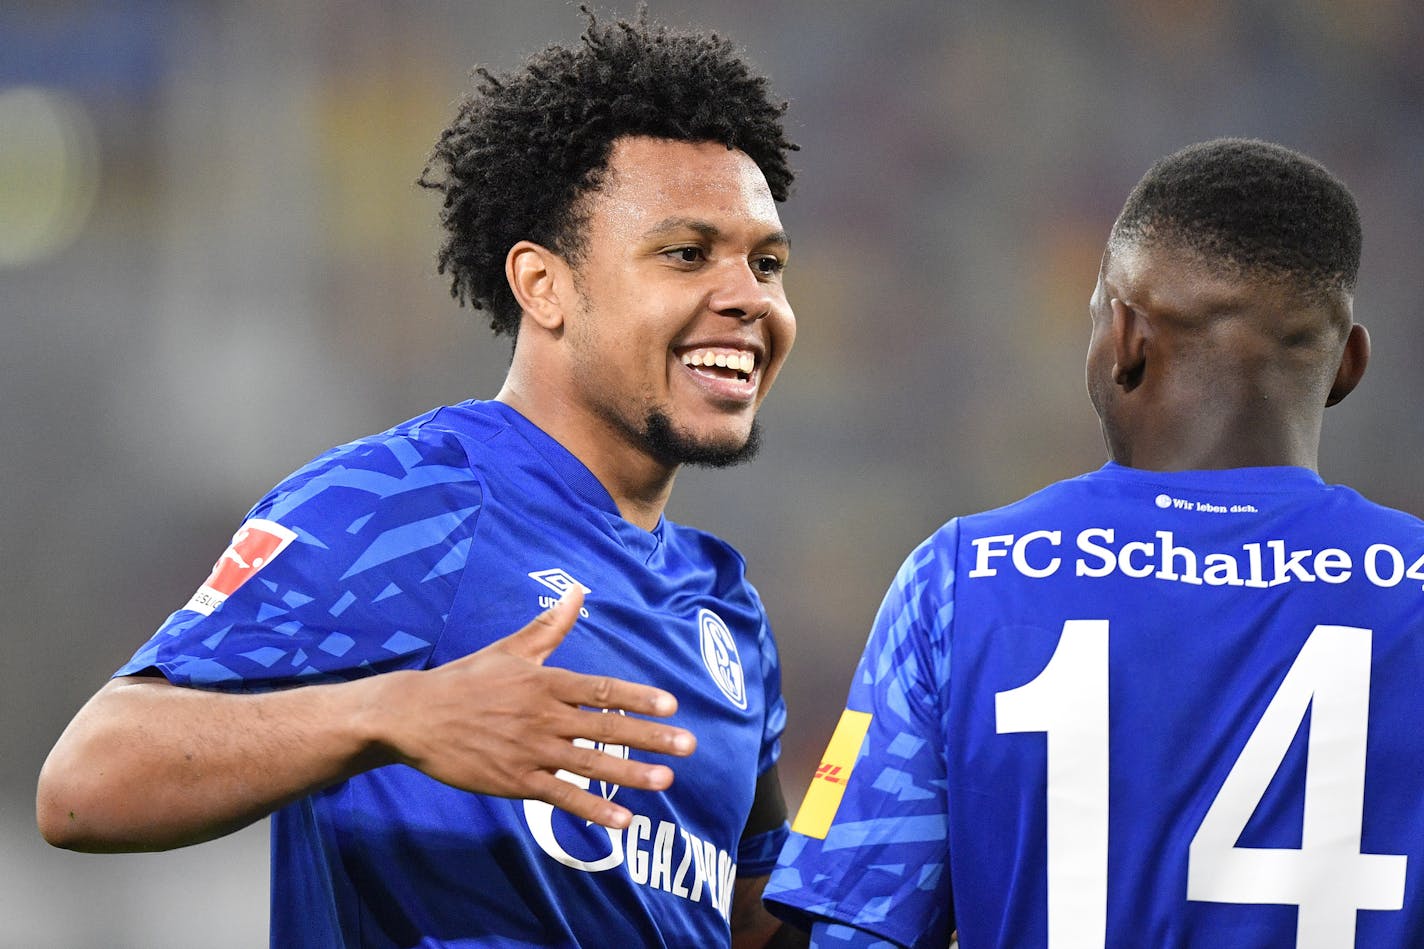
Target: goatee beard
675,448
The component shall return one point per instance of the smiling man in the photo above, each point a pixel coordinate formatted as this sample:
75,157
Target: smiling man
361,663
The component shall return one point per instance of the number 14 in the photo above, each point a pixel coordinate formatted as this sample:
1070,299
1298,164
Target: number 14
1327,878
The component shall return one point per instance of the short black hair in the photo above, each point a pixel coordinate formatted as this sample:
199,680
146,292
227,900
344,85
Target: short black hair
1254,207
526,146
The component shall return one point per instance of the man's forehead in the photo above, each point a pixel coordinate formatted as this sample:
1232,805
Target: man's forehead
658,179
709,230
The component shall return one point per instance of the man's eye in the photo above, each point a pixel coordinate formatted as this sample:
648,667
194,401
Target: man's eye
686,255
768,266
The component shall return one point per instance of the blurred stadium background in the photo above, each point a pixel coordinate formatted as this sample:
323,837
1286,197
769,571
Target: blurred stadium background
214,263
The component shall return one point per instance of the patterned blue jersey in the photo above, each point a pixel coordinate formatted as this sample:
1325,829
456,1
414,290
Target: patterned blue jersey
1134,709
418,546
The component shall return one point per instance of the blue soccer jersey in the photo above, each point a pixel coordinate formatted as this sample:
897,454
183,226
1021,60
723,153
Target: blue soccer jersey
412,548
1135,709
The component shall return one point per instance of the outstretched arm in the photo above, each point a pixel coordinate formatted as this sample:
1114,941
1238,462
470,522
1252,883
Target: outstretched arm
147,765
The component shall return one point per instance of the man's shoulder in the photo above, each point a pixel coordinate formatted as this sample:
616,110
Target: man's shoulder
450,436
431,454
1056,496
1359,505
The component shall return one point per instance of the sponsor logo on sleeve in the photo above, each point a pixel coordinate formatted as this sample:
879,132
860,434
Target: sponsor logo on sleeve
823,797
256,544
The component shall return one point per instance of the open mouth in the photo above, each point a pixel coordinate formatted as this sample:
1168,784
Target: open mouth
721,363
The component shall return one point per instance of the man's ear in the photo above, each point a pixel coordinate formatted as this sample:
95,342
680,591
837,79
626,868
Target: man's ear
1352,364
1129,331
538,278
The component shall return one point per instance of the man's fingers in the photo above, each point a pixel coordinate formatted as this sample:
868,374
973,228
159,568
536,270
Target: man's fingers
542,635
580,803
577,688
597,766
613,769
639,733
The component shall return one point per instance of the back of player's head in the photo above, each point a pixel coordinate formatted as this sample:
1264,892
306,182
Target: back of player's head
525,147
1251,208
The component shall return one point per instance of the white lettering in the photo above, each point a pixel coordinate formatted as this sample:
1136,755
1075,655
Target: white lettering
1221,571
707,861
1258,564
547,602
1416,570
661,877
1254,577
639,828
704,872
699,868
540,818
981,559
678,888
726,876
1105,554
1124,559
1290,566
1396,565
1021,557
1169,552
1332,565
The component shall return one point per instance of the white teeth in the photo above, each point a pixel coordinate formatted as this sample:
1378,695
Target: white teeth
739,362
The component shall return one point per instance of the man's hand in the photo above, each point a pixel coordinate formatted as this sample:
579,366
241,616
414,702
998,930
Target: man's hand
147,765
501,722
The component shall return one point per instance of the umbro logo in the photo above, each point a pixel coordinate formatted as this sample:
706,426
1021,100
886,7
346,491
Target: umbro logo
558,580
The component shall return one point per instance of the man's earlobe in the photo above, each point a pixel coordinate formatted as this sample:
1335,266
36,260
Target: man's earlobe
535,276
1352,364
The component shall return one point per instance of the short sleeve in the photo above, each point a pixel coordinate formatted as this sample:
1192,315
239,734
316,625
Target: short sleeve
346,569
869,844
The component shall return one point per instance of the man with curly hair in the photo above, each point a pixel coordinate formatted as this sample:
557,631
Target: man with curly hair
441,770
1173,702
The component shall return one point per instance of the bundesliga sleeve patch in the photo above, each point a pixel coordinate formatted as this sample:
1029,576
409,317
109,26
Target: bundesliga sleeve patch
256,544
823,797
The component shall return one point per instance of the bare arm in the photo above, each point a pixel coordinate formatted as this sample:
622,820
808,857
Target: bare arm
147,765
755,928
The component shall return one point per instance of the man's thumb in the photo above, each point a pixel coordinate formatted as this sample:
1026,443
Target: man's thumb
542,635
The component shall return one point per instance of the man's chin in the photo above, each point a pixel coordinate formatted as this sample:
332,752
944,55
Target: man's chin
705,451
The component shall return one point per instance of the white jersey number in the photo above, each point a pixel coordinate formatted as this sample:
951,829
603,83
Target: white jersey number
1327,877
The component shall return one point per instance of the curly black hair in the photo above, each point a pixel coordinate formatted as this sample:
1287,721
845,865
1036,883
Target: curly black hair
1253,207
526,146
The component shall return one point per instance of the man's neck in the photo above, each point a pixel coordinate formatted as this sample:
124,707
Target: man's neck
639,484
1192,441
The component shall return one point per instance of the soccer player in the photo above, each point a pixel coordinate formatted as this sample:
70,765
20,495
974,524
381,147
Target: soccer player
361,663
1174,702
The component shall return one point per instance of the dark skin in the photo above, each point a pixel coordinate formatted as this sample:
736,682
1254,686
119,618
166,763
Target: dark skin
1196,367
1193,367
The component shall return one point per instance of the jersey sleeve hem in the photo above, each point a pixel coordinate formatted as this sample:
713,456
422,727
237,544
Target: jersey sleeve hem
806,915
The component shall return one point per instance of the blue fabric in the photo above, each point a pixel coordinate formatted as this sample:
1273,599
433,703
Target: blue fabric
836,936
1212,593
426,543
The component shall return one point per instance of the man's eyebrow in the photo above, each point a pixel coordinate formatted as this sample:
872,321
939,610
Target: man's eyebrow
708,230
